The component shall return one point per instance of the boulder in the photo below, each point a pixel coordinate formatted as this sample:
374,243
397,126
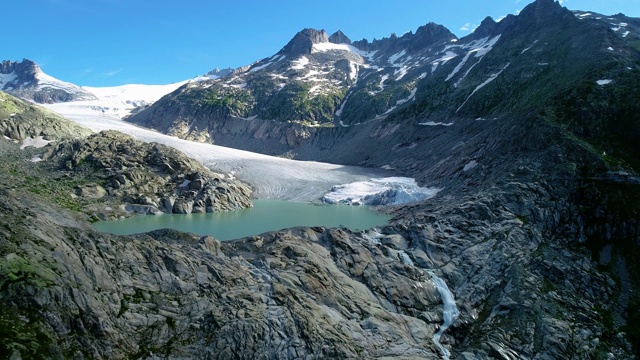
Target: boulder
91,191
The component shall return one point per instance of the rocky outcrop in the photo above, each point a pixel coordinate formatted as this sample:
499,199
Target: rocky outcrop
147,178
24,71
339,37
20,120
303,41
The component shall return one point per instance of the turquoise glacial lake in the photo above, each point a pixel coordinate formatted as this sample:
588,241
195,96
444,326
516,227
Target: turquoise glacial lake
265,215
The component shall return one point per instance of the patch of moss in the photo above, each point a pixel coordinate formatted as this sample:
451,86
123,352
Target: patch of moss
14,268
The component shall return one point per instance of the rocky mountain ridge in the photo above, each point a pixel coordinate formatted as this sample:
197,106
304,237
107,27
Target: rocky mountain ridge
26,80
315,90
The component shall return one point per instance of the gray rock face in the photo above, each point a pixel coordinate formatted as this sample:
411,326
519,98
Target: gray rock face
92,191
149,178
303,41
309,292
301,293
20,120
339,37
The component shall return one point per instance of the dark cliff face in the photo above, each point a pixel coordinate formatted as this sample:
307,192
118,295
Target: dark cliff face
339,38
424,37
24,70
303,41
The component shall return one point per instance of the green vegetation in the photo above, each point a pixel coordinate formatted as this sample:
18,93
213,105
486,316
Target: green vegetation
605,117
25,334
15,268
295,103
370,101
229,101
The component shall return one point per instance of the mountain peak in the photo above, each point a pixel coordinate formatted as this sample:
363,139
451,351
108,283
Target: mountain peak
302,42
429,34
487,27
25,67
541,9
339,37
26,80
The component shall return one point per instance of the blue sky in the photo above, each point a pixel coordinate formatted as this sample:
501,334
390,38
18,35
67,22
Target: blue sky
115,42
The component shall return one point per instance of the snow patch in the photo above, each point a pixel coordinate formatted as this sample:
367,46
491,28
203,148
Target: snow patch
300,63
610,48
239,86
431,123
380,85
604,82
257,68
37,142
490,79
36,159
341,109
379,191
393,58
527,49
328,46
479,49
401,72
442,60
470,165
7,78
412,96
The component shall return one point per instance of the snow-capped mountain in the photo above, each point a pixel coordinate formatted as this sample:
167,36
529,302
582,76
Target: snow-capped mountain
297,99
25,79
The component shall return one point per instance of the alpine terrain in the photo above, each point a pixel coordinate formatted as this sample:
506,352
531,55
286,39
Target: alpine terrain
525,132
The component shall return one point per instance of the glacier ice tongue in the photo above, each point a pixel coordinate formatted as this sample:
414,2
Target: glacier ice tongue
380,191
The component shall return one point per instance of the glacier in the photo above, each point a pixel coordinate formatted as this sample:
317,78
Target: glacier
379,191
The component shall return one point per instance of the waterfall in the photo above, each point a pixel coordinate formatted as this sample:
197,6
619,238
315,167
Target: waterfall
405,258
449,311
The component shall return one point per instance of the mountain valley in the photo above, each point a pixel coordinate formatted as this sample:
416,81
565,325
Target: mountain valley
526,248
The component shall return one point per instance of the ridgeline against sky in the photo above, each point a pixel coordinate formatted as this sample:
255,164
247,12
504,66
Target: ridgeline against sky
106,43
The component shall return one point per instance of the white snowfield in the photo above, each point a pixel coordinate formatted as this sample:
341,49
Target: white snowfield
121,100
271,177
